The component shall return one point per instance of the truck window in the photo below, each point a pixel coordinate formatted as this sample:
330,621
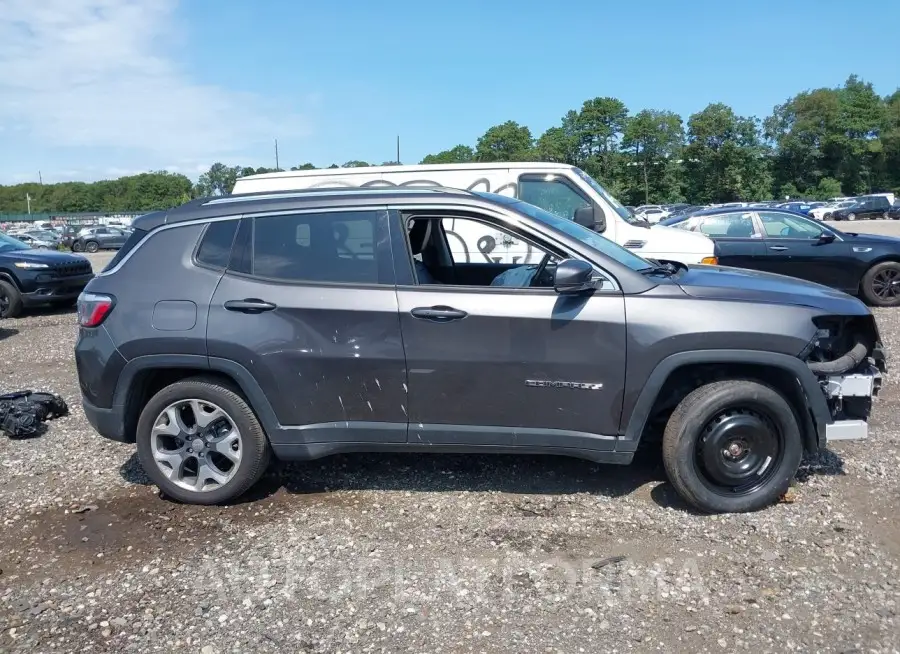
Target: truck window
551,193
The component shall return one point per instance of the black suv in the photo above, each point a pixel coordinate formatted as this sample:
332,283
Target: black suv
303,324
30,277
874,207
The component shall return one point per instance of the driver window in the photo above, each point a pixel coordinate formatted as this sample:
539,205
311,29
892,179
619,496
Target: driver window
782,225
476,253
551,194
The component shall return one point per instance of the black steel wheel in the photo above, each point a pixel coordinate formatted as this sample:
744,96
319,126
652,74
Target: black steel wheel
739,451
881,284
732,446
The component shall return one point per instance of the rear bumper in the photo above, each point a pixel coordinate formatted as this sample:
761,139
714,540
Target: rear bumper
109,423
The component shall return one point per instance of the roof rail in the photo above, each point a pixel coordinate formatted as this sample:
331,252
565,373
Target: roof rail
318,192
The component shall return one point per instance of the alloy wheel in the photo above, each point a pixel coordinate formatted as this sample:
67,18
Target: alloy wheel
4,304
196,445
886,284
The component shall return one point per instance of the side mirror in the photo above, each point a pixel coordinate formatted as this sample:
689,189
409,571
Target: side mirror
573,276
591,218
826,237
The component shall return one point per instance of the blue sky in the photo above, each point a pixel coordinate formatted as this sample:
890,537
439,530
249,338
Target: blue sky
100,88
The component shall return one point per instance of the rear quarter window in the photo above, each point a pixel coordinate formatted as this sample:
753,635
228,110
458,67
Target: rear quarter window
215,244
136,237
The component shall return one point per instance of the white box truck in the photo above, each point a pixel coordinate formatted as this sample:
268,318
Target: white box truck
564,190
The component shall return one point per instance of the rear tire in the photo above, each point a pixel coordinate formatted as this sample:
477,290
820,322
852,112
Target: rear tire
10,300
881,284
154,445
732,447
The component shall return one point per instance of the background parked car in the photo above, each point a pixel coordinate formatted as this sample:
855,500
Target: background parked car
31,277
787,243
800,207
873,207
652,213
824,212
894,212
91,239
39,239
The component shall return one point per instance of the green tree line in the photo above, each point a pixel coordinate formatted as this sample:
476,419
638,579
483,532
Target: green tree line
818,144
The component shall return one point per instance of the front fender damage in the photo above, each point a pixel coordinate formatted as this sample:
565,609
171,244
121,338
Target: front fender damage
849,362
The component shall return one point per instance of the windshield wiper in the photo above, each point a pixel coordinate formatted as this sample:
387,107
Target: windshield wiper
667,268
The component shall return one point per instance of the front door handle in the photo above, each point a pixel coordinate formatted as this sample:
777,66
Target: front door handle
249,305
778,248
438,314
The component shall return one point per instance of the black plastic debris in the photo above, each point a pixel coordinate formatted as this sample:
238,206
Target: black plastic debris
23,413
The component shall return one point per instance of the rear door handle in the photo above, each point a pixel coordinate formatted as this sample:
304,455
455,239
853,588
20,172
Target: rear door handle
438,314
778,248
249,305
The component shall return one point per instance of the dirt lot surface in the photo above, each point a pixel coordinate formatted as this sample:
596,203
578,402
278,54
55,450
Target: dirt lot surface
386,553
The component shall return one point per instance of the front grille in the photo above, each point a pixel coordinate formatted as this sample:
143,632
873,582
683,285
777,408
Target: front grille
72,269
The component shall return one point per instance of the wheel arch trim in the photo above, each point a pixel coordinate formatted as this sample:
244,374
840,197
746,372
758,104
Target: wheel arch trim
202,364
813,427
7,277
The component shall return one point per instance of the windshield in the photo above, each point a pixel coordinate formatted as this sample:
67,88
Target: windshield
619,208
10,244
587,236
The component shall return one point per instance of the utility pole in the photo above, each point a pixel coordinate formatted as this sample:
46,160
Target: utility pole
40,179
398,149
28,200
277,167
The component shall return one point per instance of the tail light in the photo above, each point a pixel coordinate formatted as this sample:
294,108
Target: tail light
93,308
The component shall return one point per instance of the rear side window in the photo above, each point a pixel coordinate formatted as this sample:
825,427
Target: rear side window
215,245
336,247
135,238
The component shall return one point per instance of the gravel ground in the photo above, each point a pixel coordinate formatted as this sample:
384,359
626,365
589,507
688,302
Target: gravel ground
387,553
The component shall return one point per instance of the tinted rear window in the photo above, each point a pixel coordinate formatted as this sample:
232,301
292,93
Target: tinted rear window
135,238
215,247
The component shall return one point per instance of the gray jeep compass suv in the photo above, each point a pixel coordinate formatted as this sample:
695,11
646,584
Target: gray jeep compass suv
303,324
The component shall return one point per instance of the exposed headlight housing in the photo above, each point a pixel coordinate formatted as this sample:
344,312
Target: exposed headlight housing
30,265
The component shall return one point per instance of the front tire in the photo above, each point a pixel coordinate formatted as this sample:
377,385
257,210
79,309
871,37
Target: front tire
91,246
732,447
77,246
881,284
10,300
200,442
851,216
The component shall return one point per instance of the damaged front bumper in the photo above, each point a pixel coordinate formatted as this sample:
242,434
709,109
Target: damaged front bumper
849,396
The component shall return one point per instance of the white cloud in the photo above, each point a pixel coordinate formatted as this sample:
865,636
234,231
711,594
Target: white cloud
100,73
